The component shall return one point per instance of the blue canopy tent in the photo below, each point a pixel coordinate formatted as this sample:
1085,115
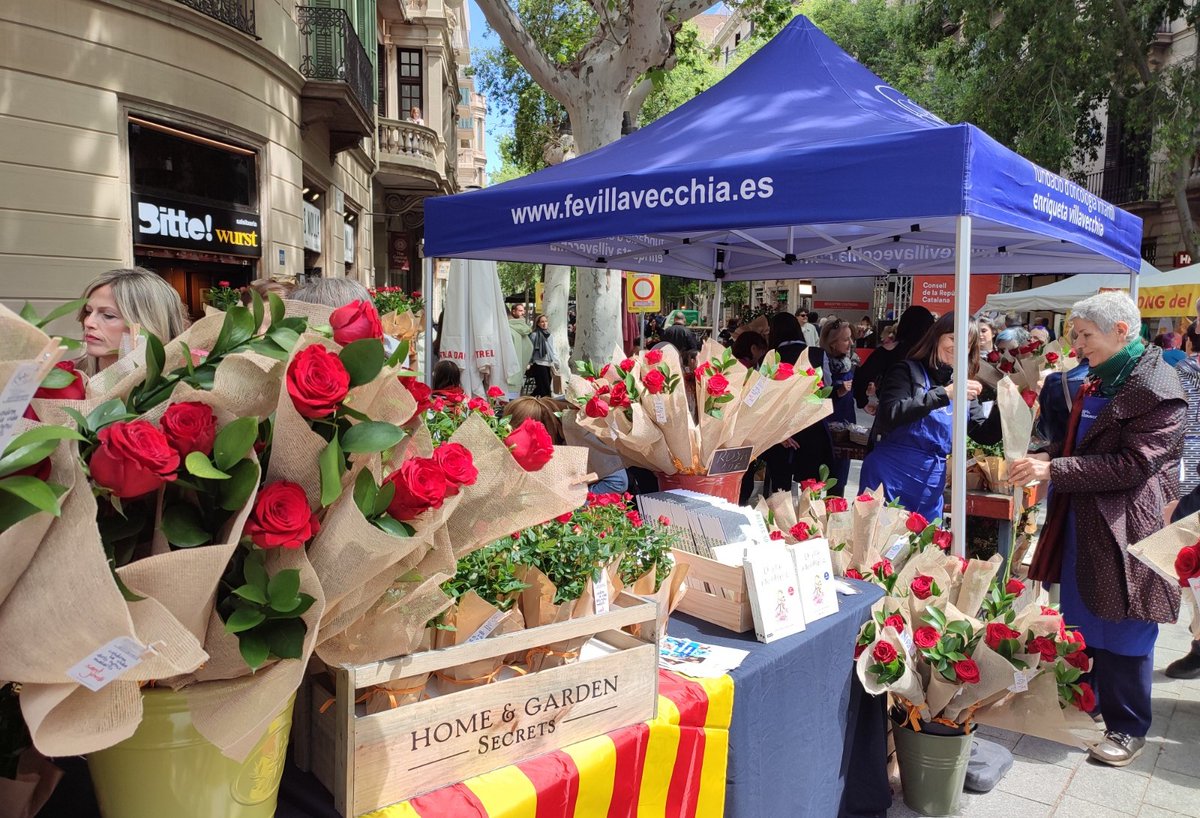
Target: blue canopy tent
800,164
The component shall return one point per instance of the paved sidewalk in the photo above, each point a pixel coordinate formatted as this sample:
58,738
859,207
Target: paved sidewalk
1050,779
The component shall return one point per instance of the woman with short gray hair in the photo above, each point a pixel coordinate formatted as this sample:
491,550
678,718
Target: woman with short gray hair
1110,478
335,291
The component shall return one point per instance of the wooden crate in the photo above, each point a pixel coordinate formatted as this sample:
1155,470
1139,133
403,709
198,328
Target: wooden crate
371,761
716,592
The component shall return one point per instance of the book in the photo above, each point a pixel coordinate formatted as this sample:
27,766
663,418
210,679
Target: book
697,659
814,577
774,594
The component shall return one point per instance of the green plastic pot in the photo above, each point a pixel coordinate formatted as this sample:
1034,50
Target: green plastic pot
166,768
933,767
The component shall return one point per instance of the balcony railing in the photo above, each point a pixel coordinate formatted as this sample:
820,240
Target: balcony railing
236,13
1130,182
332,52
407,139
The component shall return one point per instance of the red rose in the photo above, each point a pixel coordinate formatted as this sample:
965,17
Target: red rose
922,586
1085,699
458,464
222,283
895,621
133,459
777,535
564,518
1007,366
1043,645
967,671
281,517
1029,396
72,391
626,365
190,427
39,470
654,357
420,485
883,653
883,568
703,370
784,371
717,385
654,381
1076,638
811,485
354,322
596,408
864,498
926,637
810,372
317,381
495,392
853,573
1051,358
835,505
619,395
530,445
996,632
858,651
962,564
420,391
634,518
800,531
1014,587
993,357
916,523
1079,660
1187,563
480,405
943,539
604,370
664,519
1047,611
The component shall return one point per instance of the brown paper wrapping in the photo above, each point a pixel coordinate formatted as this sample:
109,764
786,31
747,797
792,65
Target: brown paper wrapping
995,677
975,583
399,692
465,618
20,543
908,686
538,608
23,796
666,598
679,431
637,440
1160,549
782,409
22,340
714,433
403,325
1037,712
1016,420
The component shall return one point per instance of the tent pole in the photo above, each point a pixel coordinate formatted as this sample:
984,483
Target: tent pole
427,276
716,316
962,297
1133,285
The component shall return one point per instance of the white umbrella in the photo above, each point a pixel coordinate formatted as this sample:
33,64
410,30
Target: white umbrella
475,333
1061,295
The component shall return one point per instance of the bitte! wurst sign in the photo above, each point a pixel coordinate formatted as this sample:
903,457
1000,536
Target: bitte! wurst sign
159,222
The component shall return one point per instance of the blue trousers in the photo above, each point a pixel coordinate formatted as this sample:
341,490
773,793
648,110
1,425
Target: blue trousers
1122,685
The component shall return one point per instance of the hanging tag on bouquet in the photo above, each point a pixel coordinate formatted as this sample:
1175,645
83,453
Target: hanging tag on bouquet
1020,681
755,393
485,630
1194,584
660,410
600,592
21,387
108,663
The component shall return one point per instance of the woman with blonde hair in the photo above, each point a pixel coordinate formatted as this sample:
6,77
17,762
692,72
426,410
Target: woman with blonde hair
118,301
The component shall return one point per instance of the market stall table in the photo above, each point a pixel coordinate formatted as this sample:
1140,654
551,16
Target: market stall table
794,693
1004,508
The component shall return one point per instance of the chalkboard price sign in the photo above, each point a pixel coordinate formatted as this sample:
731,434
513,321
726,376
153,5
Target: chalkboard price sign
728,461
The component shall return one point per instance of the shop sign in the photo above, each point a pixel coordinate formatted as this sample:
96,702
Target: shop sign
312,227
348,233
160,222
643,293
936,292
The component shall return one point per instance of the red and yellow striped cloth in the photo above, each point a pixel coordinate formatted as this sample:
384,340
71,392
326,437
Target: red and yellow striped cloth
671,767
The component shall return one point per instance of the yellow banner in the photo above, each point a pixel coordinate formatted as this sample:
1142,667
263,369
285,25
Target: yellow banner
1168,302
537,296
643,293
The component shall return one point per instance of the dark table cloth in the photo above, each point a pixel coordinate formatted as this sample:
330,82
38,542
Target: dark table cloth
806,741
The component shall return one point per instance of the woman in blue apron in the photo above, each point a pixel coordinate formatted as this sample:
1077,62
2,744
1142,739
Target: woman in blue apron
913,425
1111,476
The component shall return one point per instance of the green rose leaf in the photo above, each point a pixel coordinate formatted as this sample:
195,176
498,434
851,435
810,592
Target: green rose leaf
251,593
363,359
233,493
183,526
254,649
285,637
370,437
198,465
333,466
243,619
275,304
283,589
234,442
255,571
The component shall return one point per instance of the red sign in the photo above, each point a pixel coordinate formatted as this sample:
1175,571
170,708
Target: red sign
1183,259
936,293
397,251
830,306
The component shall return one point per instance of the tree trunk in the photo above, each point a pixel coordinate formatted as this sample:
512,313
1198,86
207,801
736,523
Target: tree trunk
1187,224
596,121
556,292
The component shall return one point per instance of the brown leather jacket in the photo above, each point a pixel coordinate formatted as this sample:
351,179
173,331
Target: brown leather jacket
1119,477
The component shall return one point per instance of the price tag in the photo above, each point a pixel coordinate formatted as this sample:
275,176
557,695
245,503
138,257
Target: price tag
21,386
108,663
895,549
755,393
1194,584
1020,682
907,642
485,630
660,410
600,593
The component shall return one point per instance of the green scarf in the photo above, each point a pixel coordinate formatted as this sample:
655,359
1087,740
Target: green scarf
1113,373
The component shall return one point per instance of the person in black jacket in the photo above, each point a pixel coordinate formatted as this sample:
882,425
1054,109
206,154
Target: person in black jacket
914,323
912,434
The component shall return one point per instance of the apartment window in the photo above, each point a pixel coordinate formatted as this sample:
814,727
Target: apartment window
409,80
381,68
465,123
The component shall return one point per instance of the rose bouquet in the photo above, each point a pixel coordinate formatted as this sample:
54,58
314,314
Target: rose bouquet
1174,553
640,405
223,296
401,312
